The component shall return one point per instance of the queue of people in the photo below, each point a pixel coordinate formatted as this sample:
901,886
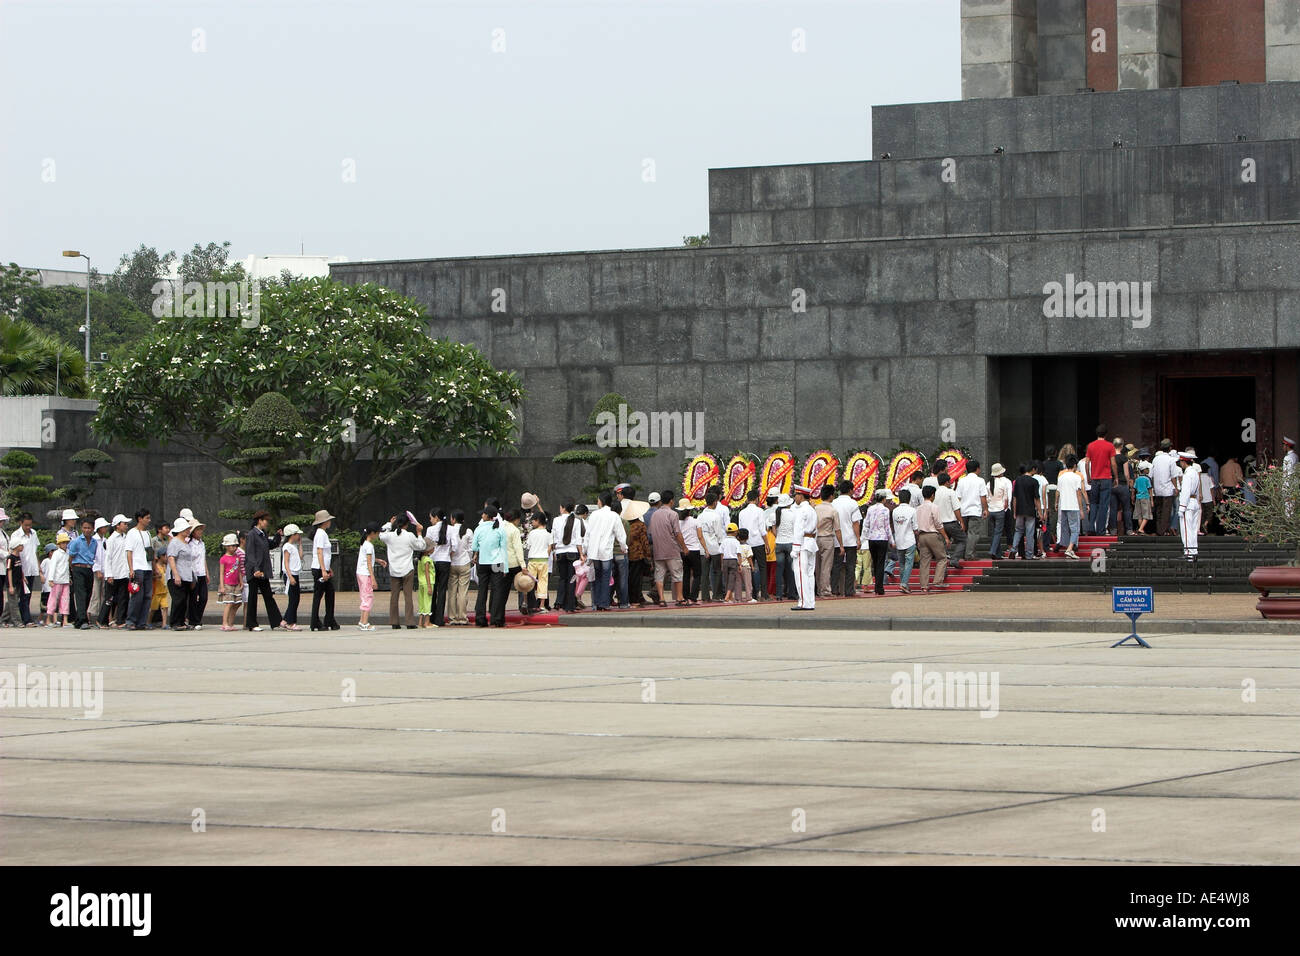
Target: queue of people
126,573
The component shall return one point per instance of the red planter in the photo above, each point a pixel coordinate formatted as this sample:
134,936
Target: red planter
1277,607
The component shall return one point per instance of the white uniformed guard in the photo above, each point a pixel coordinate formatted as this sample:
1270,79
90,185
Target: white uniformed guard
805,549
1189,504
1290,460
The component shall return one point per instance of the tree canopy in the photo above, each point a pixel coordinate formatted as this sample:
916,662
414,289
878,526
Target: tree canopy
34,363
355,361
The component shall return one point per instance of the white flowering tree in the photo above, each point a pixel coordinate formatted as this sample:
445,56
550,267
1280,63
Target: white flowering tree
375,393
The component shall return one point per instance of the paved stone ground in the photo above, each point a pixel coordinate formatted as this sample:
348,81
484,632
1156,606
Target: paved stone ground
1031,612
747,727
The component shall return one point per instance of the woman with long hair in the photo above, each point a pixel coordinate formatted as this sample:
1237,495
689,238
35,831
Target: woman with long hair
440,536
461,540
566,548
489,548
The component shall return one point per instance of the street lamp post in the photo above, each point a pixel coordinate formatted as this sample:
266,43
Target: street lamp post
74,254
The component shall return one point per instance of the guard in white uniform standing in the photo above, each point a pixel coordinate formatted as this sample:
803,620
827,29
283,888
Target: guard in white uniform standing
1290,460
1189,504
805,549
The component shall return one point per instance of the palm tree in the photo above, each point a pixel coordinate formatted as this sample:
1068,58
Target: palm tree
34,363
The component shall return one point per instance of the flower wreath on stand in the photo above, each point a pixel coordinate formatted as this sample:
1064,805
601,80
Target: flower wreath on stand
863,469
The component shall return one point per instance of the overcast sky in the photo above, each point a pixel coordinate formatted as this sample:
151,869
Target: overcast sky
456,149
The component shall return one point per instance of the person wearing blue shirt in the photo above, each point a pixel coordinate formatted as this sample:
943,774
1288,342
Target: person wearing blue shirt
81,556
489,547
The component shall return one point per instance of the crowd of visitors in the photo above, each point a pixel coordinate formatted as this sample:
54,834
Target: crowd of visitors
128,573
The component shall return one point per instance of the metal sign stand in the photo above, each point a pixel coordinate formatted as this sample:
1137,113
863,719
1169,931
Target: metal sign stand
1133,617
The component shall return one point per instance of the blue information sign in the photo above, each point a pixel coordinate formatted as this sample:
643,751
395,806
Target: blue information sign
1134,602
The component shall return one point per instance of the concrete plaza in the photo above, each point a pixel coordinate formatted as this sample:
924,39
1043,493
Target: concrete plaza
651,745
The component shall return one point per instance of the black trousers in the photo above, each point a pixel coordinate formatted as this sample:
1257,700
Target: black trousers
717,580
180,596
198,600
956,541
1164,508
441,577
879,551
844,573
501,589
116,599
261,586
635,575
692,575
321,591
565,598
487,580
83,582
291,608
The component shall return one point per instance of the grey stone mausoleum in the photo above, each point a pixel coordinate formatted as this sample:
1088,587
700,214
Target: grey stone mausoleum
864,303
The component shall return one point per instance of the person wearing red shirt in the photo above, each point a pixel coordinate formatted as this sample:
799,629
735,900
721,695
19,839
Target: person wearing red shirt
1101,474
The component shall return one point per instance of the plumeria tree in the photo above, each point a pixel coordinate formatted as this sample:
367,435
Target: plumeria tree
1273,518
375,393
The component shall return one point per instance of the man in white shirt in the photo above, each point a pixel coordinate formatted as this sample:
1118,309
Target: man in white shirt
1163,466
1037,474
911,493
949,507
723,509
141,572
402,545
1072,505
973,497
932,479
903,519
31,560
1290,459
712,528
755,520
846,564
604,527
805,549
999,504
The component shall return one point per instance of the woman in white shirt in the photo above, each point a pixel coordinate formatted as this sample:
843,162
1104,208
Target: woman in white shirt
566,547
440,539
692,560
322,574
461,538
291,568
199,564
401,545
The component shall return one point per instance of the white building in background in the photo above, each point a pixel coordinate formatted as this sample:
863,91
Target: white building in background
307,267
257,267
53,277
